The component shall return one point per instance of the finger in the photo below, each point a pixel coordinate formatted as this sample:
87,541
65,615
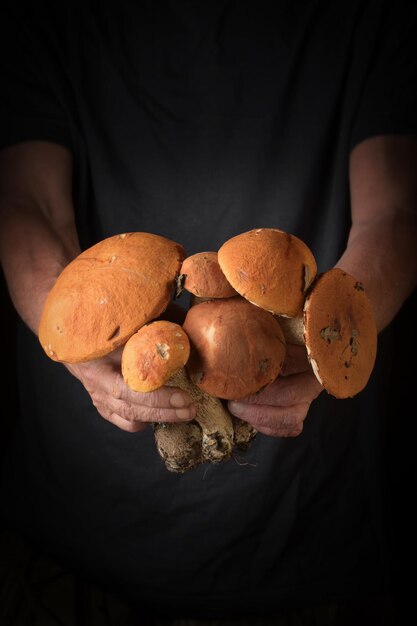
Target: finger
129,427
272,432
271,418
147,414
288,391
163,398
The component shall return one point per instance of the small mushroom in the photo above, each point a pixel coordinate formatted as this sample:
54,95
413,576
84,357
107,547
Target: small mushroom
236,348
106,293
340,333
155,356
202,277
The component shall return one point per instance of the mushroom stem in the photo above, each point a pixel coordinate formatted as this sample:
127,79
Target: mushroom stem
293,329
212,416
244,433
179,445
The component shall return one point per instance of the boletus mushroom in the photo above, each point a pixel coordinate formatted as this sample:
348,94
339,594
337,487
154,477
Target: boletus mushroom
236,348
340,333
269,267
106,293
155,356
202,276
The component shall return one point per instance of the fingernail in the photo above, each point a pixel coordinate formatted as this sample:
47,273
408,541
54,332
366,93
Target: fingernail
236,408
183,414
177,400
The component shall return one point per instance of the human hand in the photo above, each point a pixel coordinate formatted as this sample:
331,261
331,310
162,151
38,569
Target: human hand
129,410
280,409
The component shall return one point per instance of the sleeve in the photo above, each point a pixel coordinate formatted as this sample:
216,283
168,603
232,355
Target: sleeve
30,104
388,102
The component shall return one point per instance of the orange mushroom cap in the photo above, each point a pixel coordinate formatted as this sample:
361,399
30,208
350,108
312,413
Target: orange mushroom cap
202,276
340,333
106,293
270,268
154,354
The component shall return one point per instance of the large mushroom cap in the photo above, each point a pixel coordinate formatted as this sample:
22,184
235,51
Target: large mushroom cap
340,333
154,354
106,293
236,348
270,268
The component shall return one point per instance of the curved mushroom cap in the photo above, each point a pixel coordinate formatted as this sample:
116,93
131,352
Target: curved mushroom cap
236,348
153,354
270,268
202,276
340,333
106,293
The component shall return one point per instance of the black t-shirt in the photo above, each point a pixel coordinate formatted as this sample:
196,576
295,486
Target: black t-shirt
197,121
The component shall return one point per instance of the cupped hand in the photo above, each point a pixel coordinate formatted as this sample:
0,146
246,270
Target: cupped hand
279,410
129,410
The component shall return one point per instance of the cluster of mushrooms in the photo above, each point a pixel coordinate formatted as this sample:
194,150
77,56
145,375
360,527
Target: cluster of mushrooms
259,292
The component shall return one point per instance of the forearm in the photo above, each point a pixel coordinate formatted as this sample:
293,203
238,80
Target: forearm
382,254
38,236
382,244
32,254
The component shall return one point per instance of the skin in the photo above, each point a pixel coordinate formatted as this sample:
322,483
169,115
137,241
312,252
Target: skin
38,239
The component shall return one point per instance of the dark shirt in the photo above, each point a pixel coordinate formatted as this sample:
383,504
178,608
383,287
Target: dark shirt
197,121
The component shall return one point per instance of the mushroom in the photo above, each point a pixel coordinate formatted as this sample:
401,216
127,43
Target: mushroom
270,268
155,356
202,277
236,348
340,333
106,293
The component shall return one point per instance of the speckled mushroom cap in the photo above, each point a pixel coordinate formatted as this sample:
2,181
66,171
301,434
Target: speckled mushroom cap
270,268
107,293
236,347
340,333
154,354
202,276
